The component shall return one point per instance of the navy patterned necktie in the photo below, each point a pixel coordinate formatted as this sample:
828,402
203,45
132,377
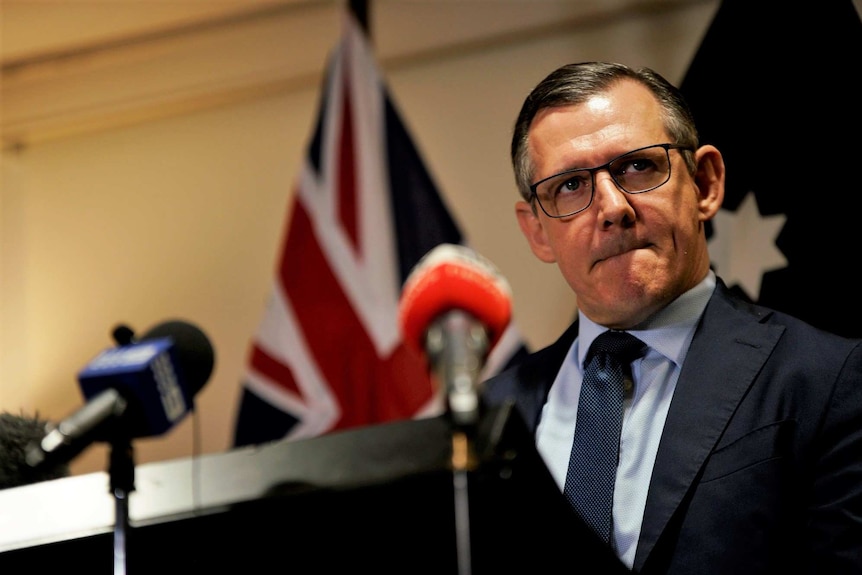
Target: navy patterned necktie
595,451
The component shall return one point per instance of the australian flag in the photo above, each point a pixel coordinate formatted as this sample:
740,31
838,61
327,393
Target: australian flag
775,87
329,354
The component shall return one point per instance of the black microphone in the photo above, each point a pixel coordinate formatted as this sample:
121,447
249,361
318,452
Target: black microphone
454,307
141,388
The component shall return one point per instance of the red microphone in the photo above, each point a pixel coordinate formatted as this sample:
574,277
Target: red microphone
454,307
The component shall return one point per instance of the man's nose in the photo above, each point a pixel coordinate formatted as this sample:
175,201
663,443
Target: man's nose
604,185
613,202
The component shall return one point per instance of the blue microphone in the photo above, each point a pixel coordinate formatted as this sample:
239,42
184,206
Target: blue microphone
141,388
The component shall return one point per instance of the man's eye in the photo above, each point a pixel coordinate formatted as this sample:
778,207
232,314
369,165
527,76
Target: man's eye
571,185
635,165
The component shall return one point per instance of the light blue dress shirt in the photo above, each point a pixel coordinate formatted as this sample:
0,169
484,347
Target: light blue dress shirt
668,335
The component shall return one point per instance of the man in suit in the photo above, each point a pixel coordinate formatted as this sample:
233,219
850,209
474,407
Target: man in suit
741,442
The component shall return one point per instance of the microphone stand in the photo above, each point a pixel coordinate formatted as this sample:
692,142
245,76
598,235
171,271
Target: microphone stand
463,461
122,482
121,468
457,346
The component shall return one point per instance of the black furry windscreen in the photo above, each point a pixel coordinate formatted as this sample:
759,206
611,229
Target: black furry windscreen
17,433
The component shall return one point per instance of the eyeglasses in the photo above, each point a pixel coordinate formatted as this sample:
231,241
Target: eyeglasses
642,170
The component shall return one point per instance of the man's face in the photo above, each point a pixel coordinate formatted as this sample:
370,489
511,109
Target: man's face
626,256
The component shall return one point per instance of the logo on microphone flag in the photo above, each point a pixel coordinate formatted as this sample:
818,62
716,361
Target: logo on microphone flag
328,354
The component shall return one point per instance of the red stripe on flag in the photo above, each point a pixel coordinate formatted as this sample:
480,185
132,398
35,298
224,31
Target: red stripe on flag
273,369
368,388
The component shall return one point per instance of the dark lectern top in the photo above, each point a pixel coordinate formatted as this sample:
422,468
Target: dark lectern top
379,499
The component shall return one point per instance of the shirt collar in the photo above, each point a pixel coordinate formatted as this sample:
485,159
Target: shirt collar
669,331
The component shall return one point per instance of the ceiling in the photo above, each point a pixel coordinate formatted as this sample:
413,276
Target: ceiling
42,29
74,66
35,30
48,48
38,29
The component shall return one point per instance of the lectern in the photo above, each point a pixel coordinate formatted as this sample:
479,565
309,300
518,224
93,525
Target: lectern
378,499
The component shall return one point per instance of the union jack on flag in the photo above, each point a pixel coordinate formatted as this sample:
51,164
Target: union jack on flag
329,354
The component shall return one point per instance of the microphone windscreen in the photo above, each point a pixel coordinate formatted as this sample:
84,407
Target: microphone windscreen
192,348
453,277
17,434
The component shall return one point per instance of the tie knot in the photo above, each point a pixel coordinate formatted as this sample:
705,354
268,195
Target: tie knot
619,343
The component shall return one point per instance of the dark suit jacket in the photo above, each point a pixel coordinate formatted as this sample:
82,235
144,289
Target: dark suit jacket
759,469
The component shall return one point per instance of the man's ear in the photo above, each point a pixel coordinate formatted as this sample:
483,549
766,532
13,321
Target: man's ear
709,180
534,231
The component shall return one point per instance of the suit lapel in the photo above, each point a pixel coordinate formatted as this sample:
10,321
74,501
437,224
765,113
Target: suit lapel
534,376
728,350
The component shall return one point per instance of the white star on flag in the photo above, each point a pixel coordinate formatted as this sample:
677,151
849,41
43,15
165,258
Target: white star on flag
742,247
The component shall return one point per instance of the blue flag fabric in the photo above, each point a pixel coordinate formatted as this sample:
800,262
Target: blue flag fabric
779,97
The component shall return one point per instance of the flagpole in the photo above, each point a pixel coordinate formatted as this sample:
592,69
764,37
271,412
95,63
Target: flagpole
360,10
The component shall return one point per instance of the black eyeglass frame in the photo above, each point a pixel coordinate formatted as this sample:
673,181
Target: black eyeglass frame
592,171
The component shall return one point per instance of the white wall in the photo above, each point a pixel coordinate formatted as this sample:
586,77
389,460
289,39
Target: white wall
143,217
